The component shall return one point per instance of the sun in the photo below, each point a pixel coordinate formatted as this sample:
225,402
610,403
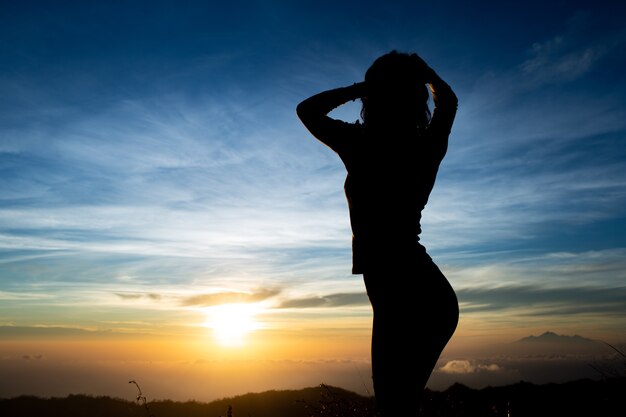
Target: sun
232,322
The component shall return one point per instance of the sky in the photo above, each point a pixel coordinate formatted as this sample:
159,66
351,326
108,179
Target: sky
166,218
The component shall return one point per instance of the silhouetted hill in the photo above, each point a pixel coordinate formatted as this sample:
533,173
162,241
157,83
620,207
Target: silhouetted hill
584,398
579,398
288,403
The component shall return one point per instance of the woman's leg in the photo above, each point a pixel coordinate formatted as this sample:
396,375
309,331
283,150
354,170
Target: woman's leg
415,314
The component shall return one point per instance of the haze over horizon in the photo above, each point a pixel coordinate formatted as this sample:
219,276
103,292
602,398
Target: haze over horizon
165,217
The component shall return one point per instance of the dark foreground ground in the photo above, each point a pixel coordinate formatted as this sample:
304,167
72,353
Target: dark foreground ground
606,398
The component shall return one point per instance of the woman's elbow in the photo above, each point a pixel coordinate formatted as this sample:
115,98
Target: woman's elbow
302,110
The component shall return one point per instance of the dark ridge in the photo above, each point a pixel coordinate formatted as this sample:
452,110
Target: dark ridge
572,399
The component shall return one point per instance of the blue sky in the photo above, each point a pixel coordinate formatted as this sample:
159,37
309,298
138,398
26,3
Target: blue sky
150,154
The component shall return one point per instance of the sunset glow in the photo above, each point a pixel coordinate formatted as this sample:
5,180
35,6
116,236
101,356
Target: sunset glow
231,323
165,217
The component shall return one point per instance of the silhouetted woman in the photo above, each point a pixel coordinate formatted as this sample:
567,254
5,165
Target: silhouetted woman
392,160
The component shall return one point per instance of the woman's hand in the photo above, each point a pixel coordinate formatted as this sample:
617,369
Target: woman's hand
359,90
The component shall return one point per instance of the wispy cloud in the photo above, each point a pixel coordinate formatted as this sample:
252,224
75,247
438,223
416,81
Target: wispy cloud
586,40
25,296
519,161
539,300
136,296
556,60
329,301
207,300
177,179
46,331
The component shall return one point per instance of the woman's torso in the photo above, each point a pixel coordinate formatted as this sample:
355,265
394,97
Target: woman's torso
388,184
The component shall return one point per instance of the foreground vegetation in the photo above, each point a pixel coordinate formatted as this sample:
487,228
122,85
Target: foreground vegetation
580,398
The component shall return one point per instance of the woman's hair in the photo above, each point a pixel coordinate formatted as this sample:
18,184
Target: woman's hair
396,93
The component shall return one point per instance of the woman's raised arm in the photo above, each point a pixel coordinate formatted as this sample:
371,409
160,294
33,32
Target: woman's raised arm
313,112
446,104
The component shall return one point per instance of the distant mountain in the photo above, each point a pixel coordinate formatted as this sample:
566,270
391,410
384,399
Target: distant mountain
551,337
550,344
